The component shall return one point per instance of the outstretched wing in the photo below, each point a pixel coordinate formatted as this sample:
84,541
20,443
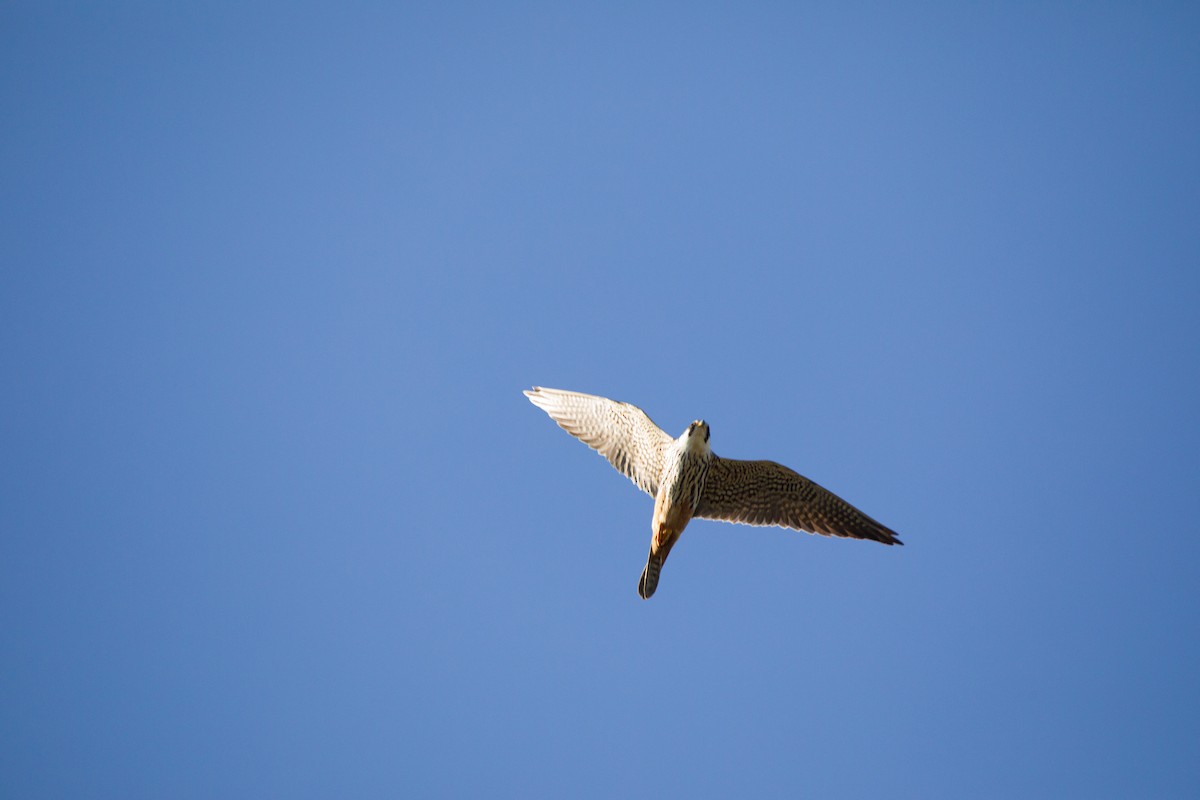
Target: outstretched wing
766,493
620,432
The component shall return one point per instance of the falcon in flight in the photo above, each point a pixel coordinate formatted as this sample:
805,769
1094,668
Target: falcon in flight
686,479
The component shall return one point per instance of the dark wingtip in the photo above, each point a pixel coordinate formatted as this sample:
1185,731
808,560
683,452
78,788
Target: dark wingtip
642,587
886,535
646,585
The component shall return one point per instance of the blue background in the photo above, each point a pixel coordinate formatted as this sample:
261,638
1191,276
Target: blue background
276,520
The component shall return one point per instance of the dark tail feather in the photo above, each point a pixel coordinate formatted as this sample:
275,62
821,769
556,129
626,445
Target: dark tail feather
649,581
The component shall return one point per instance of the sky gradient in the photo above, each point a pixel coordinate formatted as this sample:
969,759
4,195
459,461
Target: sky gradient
276,520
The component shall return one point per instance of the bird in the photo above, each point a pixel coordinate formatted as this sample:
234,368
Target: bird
687,480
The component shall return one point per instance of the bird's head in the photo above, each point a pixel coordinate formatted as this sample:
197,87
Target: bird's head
697,434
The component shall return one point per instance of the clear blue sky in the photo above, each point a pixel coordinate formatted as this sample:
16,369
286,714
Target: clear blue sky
276,520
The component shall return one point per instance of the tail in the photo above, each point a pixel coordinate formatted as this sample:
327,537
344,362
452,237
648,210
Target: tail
649,581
